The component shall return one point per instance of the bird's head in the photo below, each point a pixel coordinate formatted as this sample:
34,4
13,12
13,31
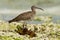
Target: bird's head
34,7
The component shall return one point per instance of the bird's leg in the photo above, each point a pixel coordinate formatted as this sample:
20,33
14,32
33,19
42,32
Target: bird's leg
32,18
24,24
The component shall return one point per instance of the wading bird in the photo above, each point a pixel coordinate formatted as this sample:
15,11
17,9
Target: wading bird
26,15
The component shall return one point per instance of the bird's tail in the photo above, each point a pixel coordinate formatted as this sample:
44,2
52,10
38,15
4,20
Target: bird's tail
13,20
10,21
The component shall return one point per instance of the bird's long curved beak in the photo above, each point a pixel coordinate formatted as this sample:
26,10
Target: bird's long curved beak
39,8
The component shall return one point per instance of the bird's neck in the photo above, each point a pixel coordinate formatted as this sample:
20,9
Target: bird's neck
33,10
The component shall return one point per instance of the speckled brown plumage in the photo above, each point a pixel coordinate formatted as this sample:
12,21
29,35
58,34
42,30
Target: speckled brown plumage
25,15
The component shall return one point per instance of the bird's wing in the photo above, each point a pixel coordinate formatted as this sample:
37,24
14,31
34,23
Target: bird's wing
23,16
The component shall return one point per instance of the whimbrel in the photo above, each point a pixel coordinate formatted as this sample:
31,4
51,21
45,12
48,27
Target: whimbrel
26,15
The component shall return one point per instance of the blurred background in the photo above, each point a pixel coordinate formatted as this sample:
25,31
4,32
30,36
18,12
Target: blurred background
11,8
